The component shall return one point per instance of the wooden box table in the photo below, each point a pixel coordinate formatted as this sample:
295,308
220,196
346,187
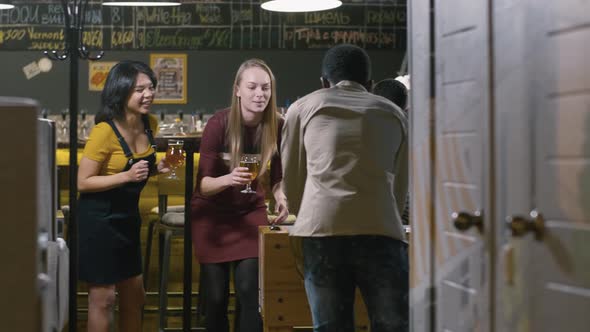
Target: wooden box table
282,298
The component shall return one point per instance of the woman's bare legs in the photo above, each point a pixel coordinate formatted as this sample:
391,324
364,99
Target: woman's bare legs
101,301
131,301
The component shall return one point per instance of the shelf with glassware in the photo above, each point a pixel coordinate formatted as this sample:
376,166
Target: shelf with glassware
169,126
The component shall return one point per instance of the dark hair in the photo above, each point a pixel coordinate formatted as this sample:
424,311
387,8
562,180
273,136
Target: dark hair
393,90
118,86
346,62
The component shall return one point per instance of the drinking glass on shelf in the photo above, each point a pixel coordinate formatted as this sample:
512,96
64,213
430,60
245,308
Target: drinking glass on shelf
252,162
174,157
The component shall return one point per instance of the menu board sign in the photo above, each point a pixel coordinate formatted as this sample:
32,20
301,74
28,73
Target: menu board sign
372,24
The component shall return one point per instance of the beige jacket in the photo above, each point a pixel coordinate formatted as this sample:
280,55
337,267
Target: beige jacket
345,163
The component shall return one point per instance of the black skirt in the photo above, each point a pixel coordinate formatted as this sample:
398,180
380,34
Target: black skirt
109,243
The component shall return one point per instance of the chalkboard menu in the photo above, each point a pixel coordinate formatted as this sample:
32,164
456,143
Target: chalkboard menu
202,25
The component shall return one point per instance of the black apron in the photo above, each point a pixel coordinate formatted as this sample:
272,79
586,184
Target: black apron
109,225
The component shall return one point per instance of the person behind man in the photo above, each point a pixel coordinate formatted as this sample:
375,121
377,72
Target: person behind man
396,91
393,90
345,175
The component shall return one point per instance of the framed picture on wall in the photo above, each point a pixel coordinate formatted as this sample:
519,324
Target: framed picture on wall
170,70
97,74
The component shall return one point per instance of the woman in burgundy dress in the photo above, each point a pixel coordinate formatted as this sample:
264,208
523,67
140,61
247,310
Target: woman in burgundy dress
224,220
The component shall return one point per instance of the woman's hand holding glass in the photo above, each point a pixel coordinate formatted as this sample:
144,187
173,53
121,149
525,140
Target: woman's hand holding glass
162,167
244,174
252,163
239,177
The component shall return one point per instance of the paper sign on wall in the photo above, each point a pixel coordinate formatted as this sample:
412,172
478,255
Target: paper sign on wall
97,74
31,70
170,70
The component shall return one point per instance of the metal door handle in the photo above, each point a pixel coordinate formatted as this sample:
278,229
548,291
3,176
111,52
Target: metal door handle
464,220
521,225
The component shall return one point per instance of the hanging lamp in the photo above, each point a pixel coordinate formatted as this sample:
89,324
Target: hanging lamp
141,3
298,6
6,4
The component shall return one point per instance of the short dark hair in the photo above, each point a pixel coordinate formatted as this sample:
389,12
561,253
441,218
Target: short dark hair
118,86
346,62
393,90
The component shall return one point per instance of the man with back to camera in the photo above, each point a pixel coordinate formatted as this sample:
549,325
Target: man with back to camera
345,168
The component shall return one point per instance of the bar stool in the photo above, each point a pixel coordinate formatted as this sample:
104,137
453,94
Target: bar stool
172,225
169,224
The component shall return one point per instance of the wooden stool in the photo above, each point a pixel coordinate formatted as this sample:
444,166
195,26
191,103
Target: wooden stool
169,224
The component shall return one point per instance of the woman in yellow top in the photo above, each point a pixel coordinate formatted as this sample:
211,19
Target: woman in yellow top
117,160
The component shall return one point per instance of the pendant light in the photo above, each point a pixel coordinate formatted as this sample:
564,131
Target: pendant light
297,6
141,3
6,4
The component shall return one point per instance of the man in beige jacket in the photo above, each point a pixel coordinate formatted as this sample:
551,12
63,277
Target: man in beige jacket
345,174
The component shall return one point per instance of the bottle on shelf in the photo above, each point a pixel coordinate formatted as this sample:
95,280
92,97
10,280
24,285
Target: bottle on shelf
63,128
163,125
199,125
192,123
180,128
83,126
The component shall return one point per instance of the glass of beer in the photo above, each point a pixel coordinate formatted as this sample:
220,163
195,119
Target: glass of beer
252,162
174,157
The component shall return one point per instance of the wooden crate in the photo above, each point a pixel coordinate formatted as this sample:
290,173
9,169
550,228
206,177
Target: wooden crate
282,298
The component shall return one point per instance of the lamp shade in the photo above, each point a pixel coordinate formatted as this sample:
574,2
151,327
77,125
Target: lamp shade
141,3
297,6
6,4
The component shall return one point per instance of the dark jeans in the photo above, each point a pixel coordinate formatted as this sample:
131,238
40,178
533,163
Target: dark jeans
216,279
335,266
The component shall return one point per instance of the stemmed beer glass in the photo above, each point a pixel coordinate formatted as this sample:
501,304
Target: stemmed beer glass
252,162
174,157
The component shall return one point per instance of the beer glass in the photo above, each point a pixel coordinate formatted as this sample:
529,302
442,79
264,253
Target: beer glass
252,162
174,157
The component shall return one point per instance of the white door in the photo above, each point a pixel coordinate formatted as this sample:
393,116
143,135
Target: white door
461,191
542,69
421,251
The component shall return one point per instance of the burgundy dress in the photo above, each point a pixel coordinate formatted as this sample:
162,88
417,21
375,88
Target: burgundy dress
225,225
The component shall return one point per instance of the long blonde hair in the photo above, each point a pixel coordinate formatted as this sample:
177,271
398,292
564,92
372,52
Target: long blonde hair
267,129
